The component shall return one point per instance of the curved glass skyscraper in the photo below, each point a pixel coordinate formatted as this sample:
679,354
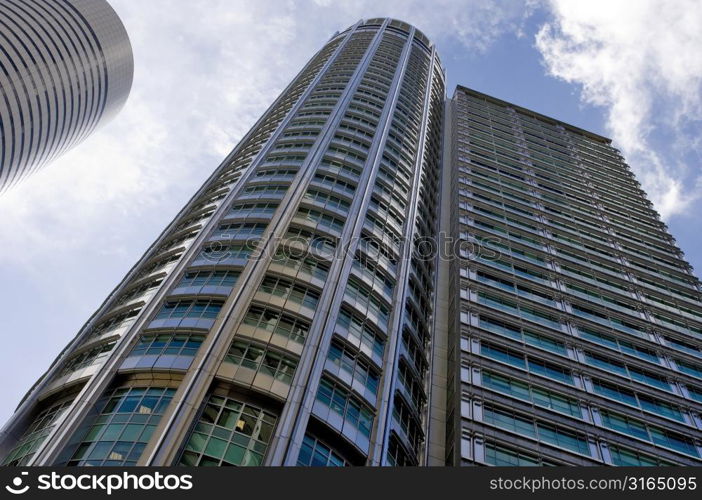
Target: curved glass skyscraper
284,316
65,67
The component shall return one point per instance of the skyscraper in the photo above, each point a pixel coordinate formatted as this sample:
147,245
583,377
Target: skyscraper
281,317
65,67
576,326
377,275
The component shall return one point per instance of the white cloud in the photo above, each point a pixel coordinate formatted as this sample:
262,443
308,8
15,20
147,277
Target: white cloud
205,70
475,24
641,60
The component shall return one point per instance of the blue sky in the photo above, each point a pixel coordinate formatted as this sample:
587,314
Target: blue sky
206,70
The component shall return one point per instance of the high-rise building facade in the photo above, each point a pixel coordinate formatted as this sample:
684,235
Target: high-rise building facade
282,317
65,67
377,275
575,327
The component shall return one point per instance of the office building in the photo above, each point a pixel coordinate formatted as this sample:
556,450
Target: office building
281,318
378,275
65,68
576,323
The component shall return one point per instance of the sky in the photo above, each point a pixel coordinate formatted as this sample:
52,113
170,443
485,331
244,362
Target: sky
205,70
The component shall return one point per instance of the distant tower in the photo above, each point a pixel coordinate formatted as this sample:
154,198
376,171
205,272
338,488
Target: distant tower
65,67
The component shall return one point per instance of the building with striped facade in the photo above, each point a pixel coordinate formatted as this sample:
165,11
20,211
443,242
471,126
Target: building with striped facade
65,68
281,318
378,275
576,333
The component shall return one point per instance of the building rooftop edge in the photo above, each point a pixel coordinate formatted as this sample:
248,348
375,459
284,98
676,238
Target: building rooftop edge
536,114
398,24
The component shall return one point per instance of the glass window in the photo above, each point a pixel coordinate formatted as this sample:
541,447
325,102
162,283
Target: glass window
623,457
190,309
614,392
277,322
551,371
373,273
87,358
413,386
133,293
661,408
624,424
614,343
545,343
408,421
239,231
314,453
307,265
500,327
36,433
674,441
114,322
350,362
365,299
507,420
360,328
245,210
504,355
695,392
397,456
167,343
327,200
345,404
504,457
545,432
209,278
288,290
606,364
536,395
119,433
229,432
563,438
218,252
689,368
649,378
321,220
262,359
